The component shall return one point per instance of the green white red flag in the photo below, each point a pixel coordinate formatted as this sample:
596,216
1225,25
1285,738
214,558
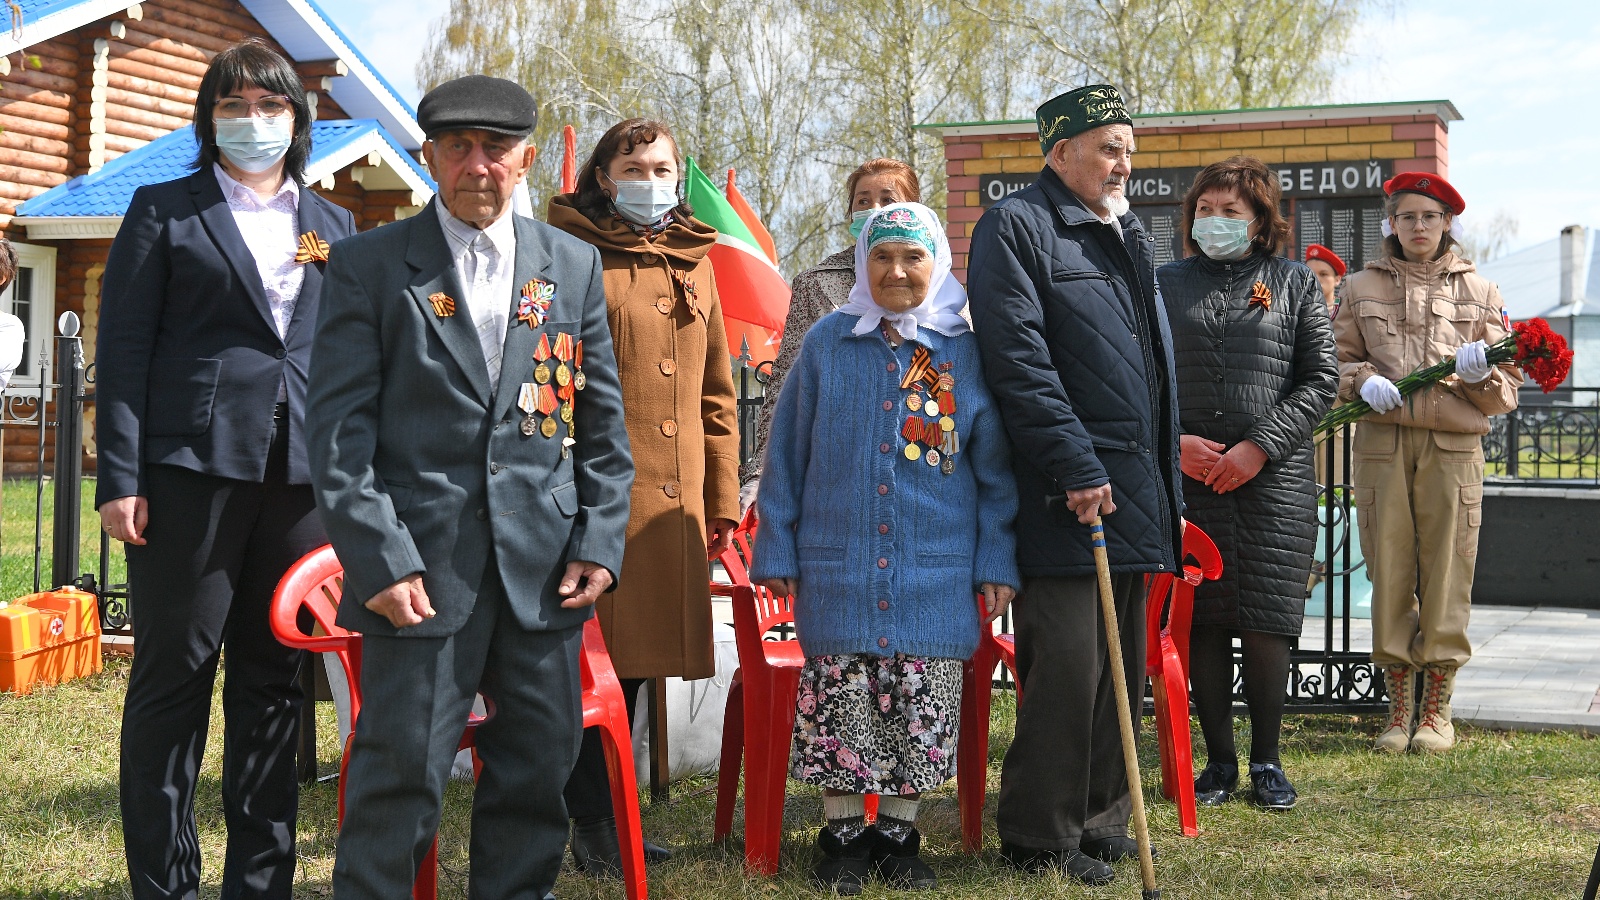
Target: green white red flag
754,296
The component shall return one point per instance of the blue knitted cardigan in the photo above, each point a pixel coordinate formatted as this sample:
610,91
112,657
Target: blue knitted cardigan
888,551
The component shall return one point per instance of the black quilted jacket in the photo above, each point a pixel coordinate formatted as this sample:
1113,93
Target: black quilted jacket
1077,353
1267,374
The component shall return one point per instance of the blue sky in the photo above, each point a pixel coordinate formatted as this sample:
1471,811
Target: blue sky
1523,75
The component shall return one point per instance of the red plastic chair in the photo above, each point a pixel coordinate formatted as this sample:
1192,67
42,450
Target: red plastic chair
314,585
758,721
1166,662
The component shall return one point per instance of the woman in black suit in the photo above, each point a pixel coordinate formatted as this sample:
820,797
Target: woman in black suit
205,338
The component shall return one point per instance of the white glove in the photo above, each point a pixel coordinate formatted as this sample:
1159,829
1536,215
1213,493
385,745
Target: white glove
1380,394
747,495
1472,362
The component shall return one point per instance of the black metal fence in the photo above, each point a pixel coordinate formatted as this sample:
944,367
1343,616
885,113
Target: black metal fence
65,398
1556,442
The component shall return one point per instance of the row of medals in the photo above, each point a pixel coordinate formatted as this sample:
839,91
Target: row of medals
563,375
944,455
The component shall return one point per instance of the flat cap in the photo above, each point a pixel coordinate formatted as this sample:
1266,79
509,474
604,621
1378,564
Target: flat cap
1079,110
478,101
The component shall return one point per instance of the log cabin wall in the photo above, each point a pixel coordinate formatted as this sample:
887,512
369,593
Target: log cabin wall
74,102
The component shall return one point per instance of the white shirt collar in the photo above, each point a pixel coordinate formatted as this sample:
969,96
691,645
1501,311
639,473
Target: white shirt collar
502,233
232,188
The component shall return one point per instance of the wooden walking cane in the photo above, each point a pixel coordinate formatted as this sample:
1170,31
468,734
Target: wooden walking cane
1119,680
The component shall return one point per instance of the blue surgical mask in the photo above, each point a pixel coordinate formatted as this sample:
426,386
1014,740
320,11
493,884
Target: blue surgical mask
254,143
858,221
1220,237
645,202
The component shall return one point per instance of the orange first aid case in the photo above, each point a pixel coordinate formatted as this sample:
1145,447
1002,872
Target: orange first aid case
48,638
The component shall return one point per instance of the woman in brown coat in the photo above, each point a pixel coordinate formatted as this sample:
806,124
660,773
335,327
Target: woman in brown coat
677,390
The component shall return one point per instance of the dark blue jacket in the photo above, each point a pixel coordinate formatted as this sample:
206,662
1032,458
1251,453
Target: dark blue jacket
188,360
1077,352
420,465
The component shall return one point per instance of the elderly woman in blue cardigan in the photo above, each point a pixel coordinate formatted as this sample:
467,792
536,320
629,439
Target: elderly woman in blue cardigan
886,504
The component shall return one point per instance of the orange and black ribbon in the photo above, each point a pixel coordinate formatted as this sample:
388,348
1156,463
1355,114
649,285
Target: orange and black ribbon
443,306
1260,295
921,366
312,249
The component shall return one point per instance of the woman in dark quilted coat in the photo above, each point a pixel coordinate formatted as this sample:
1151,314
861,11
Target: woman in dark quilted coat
1256,371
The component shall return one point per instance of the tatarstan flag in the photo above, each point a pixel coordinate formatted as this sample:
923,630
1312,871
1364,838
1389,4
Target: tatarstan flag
755,298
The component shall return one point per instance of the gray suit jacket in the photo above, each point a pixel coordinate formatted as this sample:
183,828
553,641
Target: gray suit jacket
418,462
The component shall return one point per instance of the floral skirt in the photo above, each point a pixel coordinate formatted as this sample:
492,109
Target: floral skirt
876,724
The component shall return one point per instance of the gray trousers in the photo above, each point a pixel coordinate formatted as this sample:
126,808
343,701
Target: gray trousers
1063,780
416,693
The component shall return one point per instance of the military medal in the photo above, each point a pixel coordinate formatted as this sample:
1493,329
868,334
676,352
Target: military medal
931,407
566,413
443,306
547,405
534,306
932,457
947,424
913,452
948,466
527,403
913,401
541,372
563,352
578,381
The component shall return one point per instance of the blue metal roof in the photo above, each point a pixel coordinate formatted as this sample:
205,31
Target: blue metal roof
108,191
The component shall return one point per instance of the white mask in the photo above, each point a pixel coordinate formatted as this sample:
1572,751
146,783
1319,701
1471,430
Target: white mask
254,143
645,202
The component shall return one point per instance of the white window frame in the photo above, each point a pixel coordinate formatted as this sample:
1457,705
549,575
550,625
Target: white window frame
40,323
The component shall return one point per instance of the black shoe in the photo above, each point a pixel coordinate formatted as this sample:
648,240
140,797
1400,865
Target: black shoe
1270,788
1115,848
845,866
595,849
1216,784
1085,869
898,864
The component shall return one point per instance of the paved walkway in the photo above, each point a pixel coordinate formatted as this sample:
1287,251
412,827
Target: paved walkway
1531,668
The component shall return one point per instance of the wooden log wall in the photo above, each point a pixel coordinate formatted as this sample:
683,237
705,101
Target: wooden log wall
73,103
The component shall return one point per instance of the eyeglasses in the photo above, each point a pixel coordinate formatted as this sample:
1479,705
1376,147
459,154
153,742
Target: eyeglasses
1429,220
269,107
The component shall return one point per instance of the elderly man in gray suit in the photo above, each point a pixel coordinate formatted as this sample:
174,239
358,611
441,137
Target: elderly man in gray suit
470,463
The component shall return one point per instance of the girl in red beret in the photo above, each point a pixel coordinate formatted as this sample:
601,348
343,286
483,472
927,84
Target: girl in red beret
1418,463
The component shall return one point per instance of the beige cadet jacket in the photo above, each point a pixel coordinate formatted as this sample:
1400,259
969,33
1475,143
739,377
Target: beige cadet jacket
1397,316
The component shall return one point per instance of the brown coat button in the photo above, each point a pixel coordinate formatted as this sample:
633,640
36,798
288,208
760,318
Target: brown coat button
883,604
883,489
888,405
883,448
891,367
883,642
668,366
883,528
670,489
664,306
883,562
669,428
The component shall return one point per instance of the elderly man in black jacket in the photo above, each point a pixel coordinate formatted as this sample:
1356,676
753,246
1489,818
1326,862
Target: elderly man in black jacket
1077,352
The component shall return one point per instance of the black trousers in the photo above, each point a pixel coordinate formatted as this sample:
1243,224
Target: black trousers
201,587
1064,779
588,791
416,694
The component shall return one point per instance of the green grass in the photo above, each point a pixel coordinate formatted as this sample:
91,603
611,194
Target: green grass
1504,816
16,538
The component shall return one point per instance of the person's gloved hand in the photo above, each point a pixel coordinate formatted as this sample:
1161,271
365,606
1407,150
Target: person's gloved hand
1380,393
1472,362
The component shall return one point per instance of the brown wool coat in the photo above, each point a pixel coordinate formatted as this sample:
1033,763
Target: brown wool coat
680,409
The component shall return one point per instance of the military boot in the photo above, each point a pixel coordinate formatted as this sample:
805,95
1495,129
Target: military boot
1435,733
1401,686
